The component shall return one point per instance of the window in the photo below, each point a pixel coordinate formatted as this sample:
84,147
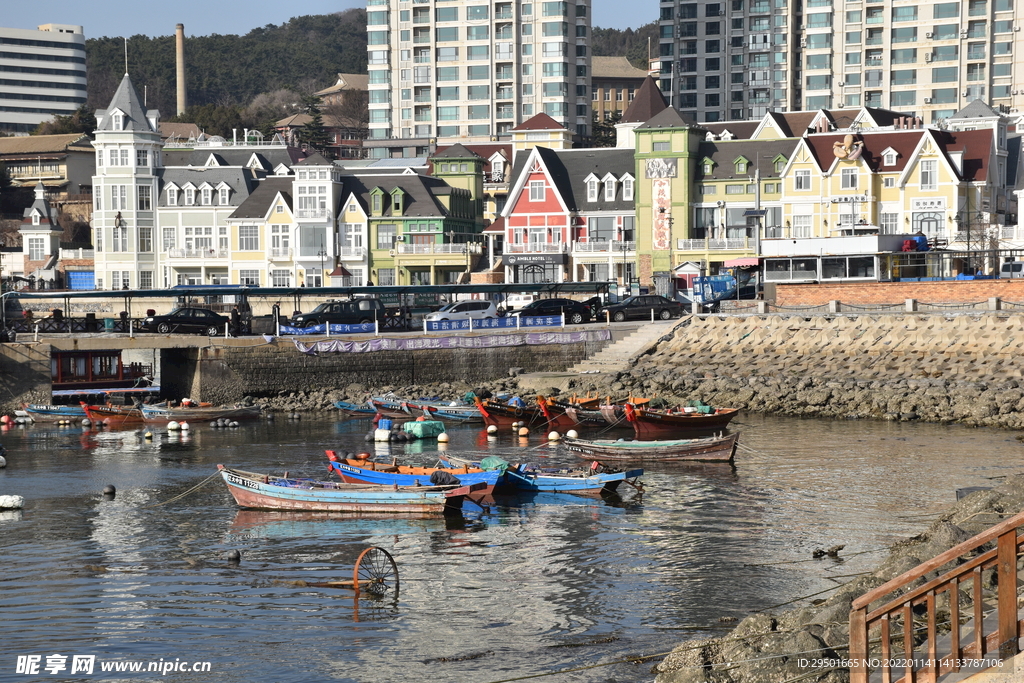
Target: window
627,189
551,29
477,52
223,199
386,235
145,240
592,190
888,182
280,278
479,111
145,199
907,13
929,175
120,234
889,159
207,196
802,180
889,223
848,179
609,190
447,34
536,190
945,74
478,12
249,277
36,248
142,157
248,238
801,226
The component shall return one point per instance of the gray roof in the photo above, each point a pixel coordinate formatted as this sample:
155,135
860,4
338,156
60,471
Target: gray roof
259,201
240,181
270,157
725,152
456,151
43,206
667,118
976,110
421,193
569,169
127,99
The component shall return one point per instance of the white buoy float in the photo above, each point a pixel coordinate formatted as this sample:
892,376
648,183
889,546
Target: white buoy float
173,426
523,431
86,422
554,436
442,437
11,502
491,429
3,462
148,435
184,426
572,434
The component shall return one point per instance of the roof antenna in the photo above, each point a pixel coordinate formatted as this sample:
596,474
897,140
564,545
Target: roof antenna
126,56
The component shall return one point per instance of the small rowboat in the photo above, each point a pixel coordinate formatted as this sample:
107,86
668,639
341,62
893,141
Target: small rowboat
539,416
711,449
164,415
439,410
114,416
267,492
364,471
651,424
47,413
355,409
593,481
390,407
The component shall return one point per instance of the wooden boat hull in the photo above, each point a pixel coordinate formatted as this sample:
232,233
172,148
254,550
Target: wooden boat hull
165,415
504,415
446,413
392,409
657,424
713,449
576,481
264,492
368,472
355,409
43,413
113,416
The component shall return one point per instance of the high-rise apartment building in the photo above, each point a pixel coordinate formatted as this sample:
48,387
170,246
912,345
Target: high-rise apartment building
42,74
738,59
446,71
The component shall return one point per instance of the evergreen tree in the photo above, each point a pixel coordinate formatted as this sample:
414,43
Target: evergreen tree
82,121
314,133
605,134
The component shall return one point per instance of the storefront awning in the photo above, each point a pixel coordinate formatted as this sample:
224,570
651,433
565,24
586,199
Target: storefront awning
738,262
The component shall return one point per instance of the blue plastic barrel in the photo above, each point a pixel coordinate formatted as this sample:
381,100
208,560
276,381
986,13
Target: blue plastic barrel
384,423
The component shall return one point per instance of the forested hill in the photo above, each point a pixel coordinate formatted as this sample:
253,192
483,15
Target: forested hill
302,55
305,54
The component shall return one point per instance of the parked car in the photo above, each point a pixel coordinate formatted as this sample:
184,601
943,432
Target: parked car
464,310
354,312
576,312
641,307
186,319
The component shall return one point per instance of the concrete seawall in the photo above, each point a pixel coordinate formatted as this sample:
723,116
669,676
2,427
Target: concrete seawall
895,367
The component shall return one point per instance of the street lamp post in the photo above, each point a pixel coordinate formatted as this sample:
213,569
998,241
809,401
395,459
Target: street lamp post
322,254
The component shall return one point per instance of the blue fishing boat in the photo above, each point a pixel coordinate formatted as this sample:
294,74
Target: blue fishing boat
364,470
48,413
355,409
268,492
590,481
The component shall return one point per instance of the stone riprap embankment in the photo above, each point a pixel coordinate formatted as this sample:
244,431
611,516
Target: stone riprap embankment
965,369
762,648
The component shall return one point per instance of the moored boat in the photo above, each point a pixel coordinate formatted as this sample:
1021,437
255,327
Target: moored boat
114,416
595,480
711,449
48,413
365,471
672,423
267,492
157,415
355,409
447,412
390,407
539,416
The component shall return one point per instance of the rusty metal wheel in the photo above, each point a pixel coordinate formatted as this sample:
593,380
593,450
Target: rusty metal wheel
376,572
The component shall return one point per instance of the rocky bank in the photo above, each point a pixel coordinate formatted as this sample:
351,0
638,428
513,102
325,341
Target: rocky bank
758,649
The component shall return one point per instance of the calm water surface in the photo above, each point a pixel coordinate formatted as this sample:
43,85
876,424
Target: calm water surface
551,583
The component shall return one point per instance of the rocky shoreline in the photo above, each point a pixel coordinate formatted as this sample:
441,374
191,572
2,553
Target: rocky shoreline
758,649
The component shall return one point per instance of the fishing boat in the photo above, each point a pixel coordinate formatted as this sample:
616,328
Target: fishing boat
47,413
267,492
114,416
163,415
673,423
539,416
355,409
366,471
711,449
595,480
460,413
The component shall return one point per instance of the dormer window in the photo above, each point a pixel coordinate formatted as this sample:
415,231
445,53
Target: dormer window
741,166
377,205
708,168
397,201
172,196
207,196
780,165
190,196
592,190
627,189
118,121
35,218
223,199
609,190
889,159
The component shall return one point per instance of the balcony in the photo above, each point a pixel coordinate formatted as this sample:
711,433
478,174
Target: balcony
207,253
976,55
605,246
503,15
352,252
313,214
536,248
744,244
282,253
455,248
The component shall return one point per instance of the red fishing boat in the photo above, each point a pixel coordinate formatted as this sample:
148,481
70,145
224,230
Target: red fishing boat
539,416
673,423
114,416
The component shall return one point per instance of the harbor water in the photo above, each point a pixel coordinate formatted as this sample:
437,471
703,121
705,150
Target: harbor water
552,583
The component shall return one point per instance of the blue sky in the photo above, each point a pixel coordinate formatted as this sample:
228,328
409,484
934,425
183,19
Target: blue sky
109,18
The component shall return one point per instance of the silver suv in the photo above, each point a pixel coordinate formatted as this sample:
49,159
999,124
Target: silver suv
464,310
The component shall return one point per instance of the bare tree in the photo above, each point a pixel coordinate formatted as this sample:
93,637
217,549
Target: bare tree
351,112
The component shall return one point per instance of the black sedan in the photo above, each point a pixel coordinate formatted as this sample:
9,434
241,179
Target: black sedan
198,320
642,307
576,312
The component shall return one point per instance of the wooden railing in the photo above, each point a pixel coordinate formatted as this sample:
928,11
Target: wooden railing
950,606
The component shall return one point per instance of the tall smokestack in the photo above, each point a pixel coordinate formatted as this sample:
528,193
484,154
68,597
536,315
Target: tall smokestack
179,44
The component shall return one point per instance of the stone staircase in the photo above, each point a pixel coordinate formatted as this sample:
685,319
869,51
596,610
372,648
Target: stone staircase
619,356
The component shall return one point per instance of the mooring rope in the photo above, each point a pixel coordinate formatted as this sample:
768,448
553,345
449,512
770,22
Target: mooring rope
182,495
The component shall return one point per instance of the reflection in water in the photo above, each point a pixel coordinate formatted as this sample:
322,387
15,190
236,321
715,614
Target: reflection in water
136,578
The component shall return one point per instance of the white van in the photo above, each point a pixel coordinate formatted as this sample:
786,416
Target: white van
464,310
1012,269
